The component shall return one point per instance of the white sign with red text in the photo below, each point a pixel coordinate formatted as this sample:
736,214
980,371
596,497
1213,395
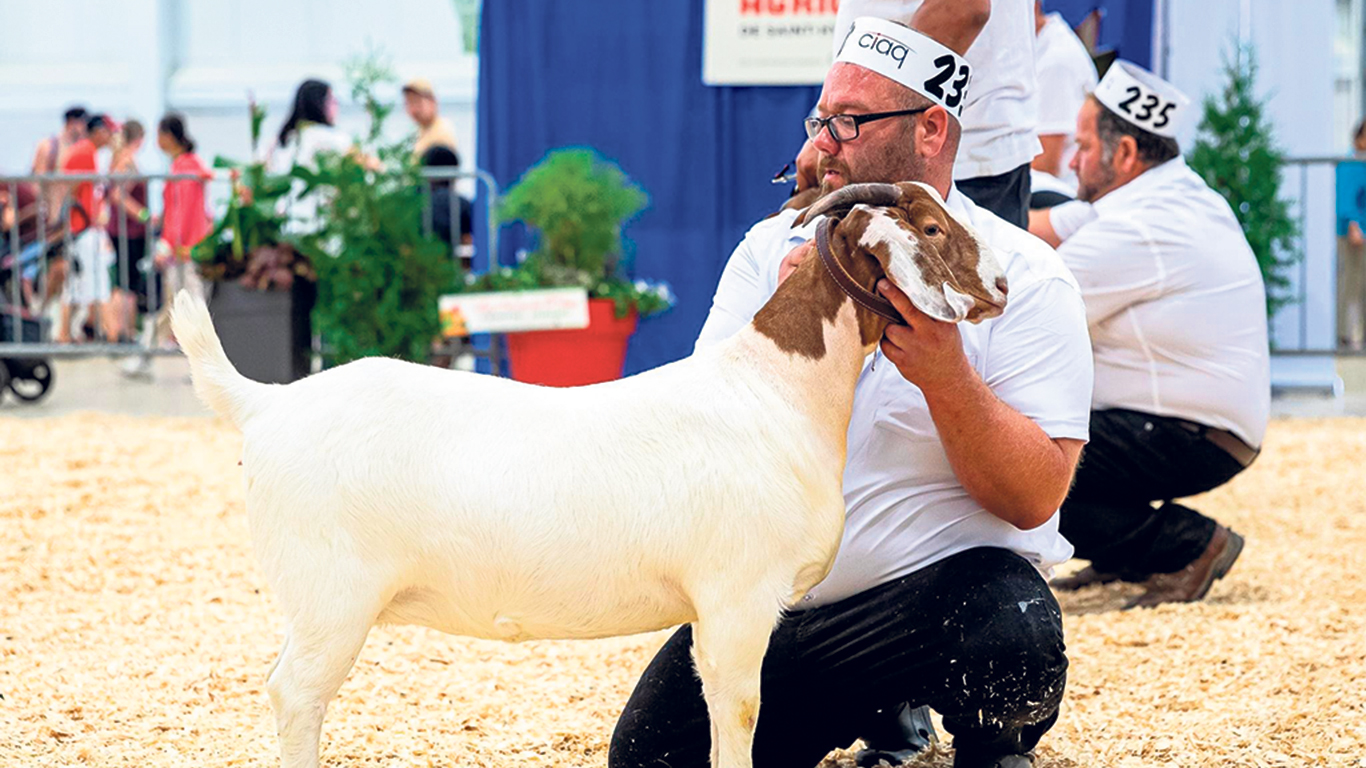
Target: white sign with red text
767,42
510,311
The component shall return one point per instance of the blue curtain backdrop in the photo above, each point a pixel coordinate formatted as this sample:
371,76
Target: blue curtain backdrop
625,77
1126,26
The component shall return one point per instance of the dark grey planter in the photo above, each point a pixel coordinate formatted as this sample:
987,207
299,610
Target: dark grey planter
267,334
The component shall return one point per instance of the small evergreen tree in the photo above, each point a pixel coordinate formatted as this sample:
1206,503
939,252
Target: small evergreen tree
1236,155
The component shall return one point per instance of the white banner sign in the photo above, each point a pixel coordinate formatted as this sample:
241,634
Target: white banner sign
767,42
511,311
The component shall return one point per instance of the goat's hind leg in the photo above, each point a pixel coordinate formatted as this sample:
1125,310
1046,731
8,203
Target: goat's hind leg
317,656
729,643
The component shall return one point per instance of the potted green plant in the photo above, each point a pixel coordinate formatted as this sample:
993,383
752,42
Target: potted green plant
576,203
262,286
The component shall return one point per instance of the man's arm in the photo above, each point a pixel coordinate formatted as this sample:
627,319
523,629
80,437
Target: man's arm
743,289
1005,460
1054,225
955,23
1050,159
1041,226
40,158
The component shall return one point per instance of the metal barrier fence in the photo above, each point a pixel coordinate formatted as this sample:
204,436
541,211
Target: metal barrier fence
1308,324
45,250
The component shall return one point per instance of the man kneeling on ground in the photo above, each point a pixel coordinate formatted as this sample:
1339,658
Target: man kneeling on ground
962,445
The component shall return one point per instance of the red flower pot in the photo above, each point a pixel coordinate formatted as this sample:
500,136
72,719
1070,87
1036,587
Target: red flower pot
577,357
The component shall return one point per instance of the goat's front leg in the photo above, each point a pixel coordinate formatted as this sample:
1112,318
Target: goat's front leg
313,664
729,643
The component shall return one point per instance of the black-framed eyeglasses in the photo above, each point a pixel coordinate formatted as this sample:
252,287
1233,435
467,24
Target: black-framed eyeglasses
845,127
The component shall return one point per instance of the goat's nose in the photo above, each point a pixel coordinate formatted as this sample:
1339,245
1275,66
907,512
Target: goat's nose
1002,286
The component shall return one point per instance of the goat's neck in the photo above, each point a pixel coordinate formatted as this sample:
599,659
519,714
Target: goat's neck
811,340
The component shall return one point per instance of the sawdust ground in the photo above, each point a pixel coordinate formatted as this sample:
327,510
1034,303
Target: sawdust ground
135,629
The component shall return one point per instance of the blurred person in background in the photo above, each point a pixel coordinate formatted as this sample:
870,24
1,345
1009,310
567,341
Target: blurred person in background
442,195
184,216
184,222
20,209
48,155
87,286
51,152
309,131
129,217
1351,210
1062,62
433,130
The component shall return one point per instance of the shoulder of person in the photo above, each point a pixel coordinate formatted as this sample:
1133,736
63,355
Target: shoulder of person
321,138
1026,259
774,229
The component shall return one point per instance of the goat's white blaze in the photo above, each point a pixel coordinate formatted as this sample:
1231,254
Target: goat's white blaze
989,268
885,230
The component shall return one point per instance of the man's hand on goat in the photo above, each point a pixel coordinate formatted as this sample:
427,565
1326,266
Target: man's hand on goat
927,352
794,258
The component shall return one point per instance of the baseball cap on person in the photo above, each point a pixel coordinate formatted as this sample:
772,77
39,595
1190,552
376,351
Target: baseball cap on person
909,58
420,86
1143,99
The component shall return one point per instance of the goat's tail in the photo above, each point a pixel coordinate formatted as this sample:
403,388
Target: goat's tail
216,381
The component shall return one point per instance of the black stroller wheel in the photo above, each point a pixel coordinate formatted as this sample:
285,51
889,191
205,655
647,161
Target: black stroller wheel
34,384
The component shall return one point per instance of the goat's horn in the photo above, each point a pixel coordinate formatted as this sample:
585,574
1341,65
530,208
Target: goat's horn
849,196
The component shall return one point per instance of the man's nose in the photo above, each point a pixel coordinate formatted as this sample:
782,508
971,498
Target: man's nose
1002,286
825,142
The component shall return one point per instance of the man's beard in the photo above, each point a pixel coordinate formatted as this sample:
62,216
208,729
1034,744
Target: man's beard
892,165
1088,191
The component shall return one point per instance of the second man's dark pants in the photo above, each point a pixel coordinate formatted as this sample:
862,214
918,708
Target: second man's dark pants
1133,460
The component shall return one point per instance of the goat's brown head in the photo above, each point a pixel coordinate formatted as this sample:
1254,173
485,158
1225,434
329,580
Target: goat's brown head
941,264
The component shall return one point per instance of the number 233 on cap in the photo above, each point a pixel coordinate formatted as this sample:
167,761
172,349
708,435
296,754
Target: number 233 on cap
1142,98
909,58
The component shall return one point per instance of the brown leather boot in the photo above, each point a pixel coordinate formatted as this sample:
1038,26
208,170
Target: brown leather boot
1193,582
1084,578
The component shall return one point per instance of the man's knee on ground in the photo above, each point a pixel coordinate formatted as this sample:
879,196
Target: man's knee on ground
1011,663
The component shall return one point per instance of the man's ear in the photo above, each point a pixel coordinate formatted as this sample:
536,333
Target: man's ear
1126,156
932,131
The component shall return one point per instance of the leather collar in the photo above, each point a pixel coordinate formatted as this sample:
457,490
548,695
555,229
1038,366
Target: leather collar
861,296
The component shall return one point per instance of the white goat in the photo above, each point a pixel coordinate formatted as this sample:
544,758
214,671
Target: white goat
704,491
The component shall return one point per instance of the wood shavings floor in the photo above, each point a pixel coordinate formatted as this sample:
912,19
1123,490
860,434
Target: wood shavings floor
136,631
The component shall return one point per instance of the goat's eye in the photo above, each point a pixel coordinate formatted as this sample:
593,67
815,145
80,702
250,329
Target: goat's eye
932,230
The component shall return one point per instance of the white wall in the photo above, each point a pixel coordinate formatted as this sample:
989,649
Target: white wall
1295,45
138,58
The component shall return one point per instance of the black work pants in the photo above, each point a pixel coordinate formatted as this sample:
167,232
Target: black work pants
1133,460
977,636
1006,195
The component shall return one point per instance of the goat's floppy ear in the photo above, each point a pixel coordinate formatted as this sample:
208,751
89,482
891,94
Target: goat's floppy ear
847,197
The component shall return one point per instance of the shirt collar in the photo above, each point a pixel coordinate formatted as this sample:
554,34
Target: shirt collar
1141,187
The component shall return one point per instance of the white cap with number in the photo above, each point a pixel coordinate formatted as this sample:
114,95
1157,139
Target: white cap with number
909,58
1142,98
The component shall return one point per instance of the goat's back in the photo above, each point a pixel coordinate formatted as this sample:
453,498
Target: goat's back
498,509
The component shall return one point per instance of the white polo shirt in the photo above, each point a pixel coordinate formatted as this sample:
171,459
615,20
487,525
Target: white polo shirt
999,118
906,508
1062,63
1175,303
